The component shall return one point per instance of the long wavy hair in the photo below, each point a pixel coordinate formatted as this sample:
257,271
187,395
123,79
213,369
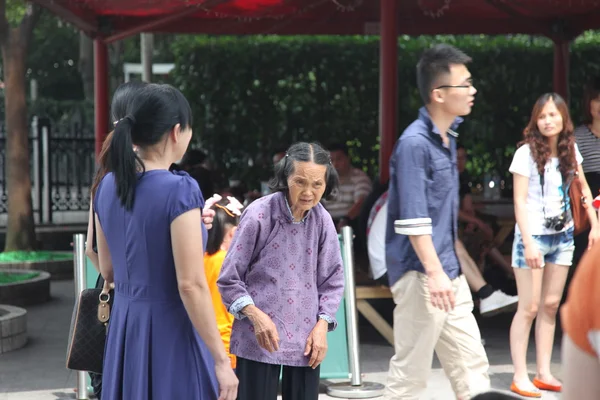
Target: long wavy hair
538,143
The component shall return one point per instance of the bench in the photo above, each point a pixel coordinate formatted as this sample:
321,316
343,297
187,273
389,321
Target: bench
364,293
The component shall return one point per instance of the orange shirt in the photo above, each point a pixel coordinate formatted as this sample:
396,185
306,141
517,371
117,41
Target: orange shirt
581,313
212,268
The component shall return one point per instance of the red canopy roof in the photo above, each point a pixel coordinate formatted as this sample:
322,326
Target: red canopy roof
110,17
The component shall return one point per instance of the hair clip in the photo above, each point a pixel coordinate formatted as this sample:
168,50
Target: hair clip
232,208
226,210
234,205
212,200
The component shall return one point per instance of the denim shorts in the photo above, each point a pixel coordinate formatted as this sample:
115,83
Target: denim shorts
556,249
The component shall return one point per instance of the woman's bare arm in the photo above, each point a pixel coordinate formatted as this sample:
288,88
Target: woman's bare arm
186,240
89,242
104,259
521,187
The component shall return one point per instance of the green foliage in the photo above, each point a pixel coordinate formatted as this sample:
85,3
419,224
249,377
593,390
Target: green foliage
13,277
254,95
64,114
162,48
15,11
20,256
54,55
53,58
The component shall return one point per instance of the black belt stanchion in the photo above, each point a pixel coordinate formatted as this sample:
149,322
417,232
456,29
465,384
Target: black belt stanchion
356,388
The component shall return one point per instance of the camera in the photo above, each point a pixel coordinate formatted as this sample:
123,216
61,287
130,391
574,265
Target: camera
557,223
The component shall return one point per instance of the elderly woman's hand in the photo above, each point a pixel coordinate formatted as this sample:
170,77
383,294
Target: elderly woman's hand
264,328
316,344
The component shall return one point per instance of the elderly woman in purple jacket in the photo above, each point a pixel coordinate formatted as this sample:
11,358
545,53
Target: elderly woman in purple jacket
283,280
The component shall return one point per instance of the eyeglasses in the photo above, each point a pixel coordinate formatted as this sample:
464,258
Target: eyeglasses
468,85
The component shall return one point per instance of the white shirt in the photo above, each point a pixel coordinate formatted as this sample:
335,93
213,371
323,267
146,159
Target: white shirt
376,241
552,200
350,190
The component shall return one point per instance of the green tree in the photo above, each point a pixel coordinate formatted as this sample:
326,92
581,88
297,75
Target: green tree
17,20
53,57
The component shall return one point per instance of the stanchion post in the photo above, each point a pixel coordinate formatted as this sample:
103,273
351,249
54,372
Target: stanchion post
80,284
357,389
351,315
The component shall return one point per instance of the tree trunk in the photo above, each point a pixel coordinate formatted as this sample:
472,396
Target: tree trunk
20,234
86,65
147,50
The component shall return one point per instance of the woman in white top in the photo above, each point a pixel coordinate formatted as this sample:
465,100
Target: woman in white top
543,167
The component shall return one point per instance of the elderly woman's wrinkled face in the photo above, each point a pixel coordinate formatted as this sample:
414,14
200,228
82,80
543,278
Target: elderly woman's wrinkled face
306,185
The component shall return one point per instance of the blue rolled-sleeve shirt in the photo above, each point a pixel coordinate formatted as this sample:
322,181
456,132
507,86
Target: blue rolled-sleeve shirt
423,198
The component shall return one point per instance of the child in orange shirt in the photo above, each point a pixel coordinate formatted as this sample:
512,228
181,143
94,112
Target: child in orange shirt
219,238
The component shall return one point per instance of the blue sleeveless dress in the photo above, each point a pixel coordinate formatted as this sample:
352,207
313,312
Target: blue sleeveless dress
152,350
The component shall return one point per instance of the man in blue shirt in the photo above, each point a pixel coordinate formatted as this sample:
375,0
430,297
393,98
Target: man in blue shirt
433,301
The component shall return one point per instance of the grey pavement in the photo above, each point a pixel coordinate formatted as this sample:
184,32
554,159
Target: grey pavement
38,372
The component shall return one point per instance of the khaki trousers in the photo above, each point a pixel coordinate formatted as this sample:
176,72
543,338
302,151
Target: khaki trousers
420,329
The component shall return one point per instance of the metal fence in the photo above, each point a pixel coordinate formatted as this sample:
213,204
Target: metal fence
62,166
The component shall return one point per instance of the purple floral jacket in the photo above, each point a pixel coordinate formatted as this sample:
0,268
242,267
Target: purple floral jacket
292,271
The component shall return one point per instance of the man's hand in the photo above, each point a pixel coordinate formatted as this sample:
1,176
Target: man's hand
441,291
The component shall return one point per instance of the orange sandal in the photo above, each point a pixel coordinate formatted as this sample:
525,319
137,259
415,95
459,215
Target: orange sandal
546,386
524,393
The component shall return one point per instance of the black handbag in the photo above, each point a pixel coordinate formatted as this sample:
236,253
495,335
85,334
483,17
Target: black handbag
87,335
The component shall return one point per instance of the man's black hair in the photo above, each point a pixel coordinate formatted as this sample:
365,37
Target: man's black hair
434,63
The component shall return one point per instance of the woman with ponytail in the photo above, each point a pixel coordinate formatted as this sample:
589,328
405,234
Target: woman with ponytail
163,341
121,98
123,95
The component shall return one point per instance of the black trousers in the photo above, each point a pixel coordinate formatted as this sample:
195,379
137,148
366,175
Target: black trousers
260,381
581,244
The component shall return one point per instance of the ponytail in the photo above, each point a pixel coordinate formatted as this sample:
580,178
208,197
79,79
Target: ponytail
148,113
123,161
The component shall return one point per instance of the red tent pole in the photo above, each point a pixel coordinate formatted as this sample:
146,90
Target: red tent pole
388,84
561,68
100,92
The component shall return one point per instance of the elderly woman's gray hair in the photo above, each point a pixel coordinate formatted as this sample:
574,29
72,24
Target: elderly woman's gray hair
304,152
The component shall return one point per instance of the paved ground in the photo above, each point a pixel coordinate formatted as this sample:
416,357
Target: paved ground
37,371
